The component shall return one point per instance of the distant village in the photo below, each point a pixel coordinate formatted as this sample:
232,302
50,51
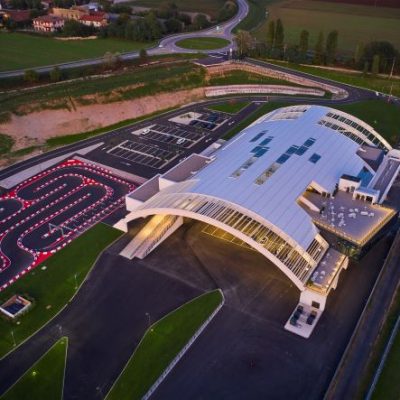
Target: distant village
53,18
104,18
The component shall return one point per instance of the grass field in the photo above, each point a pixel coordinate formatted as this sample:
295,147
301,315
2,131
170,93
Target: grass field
356,24
384,117
22,51
378,84
45,379
203,43
210,7
6,143
126,86
388,386
52,288
264,109
256,16
160,344
232,107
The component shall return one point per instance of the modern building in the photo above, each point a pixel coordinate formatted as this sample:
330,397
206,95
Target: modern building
284,186
48,23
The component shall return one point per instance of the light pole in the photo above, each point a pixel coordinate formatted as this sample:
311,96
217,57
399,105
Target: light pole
76,282
148,320
100,392
13,338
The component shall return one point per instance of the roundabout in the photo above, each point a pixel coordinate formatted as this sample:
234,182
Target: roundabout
203,43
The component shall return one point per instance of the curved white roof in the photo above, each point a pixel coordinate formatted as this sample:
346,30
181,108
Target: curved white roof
236,174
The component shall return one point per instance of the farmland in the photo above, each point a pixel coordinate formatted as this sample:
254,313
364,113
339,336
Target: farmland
209,7
356,24
40,51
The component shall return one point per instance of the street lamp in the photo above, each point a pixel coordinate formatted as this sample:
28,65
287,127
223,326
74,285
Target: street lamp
148,319
13,338
76,282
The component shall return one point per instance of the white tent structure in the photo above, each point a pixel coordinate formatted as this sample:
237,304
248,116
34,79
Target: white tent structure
253,187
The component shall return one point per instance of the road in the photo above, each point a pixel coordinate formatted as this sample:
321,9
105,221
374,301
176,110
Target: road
357,357
355,94
167,45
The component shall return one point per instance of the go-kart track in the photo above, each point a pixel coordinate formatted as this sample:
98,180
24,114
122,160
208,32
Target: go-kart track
43,214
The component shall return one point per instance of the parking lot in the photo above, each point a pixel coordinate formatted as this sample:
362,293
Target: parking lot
154,146
172,135
143,154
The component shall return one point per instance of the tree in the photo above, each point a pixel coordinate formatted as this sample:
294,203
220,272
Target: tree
303,45
271,34
386,52
358,53
111,61
55,74
153,26
185,18
279,35
75,28
375,64
30,75
200,22
142,56
227,11
173,25
331,46
365,68
244,42
319,49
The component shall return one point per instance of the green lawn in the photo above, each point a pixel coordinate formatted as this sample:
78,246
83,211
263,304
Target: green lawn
232,107
160,344
388,387
384,117
22,51
53,287
6,143
203,43
210,7
356,24
45,379
243,77
257,15
264,109
378,84
124,86
135,83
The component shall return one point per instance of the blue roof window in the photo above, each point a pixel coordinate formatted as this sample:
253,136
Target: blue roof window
258,136
314,158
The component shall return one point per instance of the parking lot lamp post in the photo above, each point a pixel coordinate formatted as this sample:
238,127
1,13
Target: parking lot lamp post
13,338
76,282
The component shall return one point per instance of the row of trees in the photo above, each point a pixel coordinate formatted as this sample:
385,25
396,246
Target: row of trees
111,61
374,57
324,52
143,29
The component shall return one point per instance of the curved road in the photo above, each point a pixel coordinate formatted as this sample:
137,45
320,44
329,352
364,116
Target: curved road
166,45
